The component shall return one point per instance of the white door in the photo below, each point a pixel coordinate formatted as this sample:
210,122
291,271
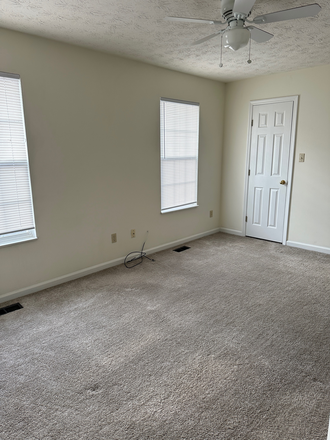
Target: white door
269,170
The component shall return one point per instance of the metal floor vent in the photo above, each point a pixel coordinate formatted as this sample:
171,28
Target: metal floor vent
181,249
11,308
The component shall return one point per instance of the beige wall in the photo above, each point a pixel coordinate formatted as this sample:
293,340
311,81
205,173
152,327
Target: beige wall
309,221
93,136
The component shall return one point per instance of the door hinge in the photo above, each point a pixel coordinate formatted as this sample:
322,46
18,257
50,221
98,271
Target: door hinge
249,172
251,122
246,219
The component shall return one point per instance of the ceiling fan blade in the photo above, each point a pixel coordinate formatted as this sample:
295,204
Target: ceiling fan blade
243,6
191,20
289,14
259,35
202,40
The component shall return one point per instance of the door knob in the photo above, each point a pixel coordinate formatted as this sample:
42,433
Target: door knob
282,182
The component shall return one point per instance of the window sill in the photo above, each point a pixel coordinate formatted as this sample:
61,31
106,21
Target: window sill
179,208
17,237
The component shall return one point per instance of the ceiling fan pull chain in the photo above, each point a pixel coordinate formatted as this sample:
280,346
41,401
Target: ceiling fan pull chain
249,60
221,64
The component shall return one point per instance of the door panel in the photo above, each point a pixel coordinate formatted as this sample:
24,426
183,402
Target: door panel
279,119
269,165
273,208
257,206
277,155
260,167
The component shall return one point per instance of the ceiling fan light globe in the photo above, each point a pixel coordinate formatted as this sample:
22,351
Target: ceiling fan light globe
236,38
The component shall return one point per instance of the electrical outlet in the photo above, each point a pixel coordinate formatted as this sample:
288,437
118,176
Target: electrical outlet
211,213
132,233
113,238
301,157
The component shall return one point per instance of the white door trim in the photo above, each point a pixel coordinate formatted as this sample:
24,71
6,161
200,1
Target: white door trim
295,100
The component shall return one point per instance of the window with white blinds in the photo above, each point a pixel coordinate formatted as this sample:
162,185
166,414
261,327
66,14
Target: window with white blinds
179,140
16,207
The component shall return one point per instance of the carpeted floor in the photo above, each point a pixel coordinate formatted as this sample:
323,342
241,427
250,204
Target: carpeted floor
227,340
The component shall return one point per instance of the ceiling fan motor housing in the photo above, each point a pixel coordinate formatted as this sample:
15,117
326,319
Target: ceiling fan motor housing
229,13
227,10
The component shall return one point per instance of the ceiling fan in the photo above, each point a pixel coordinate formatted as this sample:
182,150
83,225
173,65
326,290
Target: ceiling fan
236,12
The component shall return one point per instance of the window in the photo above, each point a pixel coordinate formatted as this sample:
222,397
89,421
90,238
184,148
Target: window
179,139
16,206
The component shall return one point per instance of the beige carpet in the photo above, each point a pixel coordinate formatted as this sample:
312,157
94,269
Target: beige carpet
227,340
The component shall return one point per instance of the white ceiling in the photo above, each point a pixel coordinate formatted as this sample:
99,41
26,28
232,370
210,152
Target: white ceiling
136,29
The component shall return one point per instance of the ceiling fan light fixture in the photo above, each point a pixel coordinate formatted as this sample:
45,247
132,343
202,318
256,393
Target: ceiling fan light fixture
236,38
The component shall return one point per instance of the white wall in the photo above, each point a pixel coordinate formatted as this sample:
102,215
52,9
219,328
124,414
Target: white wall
93,136
309,221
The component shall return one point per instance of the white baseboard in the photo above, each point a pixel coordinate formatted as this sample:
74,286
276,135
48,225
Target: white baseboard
89,270
328,438
60,280
181,241
232,232
309,247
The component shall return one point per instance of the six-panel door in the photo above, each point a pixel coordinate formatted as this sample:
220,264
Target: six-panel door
269,166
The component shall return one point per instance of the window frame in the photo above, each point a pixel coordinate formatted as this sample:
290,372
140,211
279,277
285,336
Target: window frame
187,205
28,234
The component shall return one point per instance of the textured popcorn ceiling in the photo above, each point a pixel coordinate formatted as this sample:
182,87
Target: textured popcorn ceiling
136,29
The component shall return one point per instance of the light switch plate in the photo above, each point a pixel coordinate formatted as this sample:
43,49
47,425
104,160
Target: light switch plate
301,157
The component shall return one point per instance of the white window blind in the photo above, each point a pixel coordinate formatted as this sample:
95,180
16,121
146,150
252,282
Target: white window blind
179,140
16,206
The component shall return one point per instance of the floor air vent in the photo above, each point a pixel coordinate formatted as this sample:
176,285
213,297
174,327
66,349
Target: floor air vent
181,249
11,308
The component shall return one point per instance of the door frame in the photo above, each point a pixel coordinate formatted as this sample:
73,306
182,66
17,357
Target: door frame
295,101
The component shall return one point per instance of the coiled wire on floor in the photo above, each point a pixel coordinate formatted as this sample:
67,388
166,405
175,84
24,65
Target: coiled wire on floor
136,257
